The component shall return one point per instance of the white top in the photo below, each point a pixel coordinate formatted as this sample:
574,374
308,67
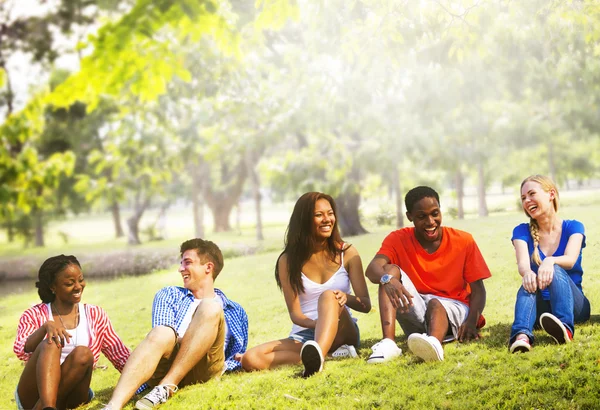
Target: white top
187,319
80,336
310,298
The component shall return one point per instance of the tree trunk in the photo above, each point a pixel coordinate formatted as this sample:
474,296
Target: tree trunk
116,214
133,222
460,193
222,202
221,214
397,193
39,228
255,184
10,230
481,194
347,213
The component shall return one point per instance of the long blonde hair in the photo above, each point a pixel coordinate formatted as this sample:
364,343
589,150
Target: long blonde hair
547,185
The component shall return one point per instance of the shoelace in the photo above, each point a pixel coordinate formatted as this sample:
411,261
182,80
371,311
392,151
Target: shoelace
161,393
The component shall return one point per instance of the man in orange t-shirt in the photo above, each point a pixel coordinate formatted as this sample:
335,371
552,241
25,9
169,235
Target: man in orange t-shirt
431,281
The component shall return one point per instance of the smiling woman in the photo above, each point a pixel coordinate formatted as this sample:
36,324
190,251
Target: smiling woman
316,272
548,251
61,354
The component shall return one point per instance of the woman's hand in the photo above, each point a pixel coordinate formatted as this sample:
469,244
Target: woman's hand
530,281
57,333
341,297
545,273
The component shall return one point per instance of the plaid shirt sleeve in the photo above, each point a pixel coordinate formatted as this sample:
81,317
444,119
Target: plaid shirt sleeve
237,322
163,312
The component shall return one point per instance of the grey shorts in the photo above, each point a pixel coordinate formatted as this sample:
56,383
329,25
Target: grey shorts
413,321
305,335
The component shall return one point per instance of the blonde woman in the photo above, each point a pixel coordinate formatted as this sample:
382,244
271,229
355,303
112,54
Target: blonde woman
548,251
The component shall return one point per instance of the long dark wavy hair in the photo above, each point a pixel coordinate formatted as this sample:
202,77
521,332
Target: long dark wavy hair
301,241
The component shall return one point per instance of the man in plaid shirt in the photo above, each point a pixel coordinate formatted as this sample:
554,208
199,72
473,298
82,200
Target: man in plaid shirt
196,333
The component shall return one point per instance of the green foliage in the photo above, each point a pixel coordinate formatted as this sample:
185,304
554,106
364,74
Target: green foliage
385,216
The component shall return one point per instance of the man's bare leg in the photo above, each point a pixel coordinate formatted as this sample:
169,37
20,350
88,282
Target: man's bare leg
437,320
142,363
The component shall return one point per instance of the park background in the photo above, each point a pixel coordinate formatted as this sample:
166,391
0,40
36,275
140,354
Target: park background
129,126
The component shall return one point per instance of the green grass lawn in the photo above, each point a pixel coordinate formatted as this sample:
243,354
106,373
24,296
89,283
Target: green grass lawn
476,375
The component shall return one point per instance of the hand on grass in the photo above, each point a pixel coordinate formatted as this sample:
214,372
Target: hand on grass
467,332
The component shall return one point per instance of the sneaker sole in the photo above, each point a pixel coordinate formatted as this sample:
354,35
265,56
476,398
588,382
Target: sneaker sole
423,350
142,406
520,347
555,330
377,359
312,360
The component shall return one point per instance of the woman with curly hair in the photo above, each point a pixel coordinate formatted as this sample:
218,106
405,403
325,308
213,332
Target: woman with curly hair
61,340
316,272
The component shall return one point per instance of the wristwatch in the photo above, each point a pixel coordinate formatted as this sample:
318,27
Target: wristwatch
385,279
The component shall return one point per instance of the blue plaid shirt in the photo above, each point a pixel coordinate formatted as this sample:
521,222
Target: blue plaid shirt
171,304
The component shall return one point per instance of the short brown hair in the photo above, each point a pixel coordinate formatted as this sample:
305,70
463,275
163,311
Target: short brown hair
205,250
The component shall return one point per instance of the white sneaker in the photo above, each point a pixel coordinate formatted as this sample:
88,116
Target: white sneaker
312,358
425,347
383,351
344,351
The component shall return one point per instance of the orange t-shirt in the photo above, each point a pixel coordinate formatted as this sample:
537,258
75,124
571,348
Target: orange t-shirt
447,272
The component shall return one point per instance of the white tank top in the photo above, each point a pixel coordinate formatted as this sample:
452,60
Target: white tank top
310,298
80,336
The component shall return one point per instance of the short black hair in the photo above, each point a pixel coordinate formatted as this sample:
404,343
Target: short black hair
416,194
47,274
205,250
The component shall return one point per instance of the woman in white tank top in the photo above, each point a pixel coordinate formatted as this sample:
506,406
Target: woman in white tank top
316,272
61,340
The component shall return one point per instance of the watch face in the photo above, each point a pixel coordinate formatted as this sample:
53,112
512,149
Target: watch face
386,278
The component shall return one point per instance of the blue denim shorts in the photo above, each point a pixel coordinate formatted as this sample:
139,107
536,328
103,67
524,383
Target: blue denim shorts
305,335
20,406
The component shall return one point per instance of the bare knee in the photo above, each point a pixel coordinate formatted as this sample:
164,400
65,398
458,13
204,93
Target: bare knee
209,310
82,356
251,360
161,336
435,311
327,296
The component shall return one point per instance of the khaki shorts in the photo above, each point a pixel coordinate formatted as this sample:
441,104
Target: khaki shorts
209,367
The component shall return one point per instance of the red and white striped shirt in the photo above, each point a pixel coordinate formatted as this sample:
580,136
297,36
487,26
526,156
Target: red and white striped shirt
103,337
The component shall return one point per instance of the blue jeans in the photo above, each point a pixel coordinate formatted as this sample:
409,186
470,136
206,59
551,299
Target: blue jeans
567,303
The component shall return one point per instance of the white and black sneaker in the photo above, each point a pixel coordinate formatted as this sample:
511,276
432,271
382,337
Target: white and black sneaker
344,351
312,358
383,351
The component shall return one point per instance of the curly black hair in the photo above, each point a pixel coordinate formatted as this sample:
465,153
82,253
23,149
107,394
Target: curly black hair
47,274
416,194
